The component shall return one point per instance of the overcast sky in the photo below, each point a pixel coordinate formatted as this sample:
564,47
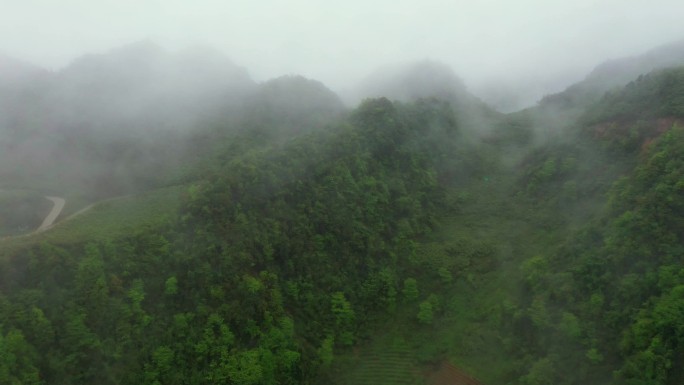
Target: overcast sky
341,41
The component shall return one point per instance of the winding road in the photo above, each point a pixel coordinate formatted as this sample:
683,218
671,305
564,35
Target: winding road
54,213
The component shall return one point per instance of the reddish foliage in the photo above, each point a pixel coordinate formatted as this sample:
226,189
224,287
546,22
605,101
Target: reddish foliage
448,374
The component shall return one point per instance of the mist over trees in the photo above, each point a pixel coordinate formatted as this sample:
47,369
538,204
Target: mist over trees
267,233
106,116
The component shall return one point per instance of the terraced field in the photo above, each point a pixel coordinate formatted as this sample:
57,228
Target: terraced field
393,366
397,365
448,374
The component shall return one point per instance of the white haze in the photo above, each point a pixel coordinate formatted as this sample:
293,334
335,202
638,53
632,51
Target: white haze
525,47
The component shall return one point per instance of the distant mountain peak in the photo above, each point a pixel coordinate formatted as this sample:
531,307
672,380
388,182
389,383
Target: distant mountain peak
140,53
296,91
616,73
421,79
146,62
14,71
141,47
622,70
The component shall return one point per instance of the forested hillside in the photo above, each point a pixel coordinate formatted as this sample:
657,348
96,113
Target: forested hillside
413,239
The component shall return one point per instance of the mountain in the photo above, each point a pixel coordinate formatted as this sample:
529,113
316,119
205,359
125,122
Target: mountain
139,87
294,104
145,83
524,91
95,122
432,80
659,94
16,73
420,237
616,73
21,84
414,81
621,71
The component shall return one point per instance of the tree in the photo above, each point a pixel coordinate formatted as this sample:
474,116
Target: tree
16,360
344,318
426,312
541,373
325,352
410,289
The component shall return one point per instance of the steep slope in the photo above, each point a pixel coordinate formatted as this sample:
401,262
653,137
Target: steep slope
283,254
563,268
619,72
592,304
654,95
113,123
378,245
615,74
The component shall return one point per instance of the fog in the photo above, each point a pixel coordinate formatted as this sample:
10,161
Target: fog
490,186
115,97
499,48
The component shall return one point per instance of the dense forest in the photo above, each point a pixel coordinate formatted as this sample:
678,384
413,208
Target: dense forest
418,234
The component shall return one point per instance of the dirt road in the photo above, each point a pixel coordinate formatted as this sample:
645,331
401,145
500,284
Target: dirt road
54,213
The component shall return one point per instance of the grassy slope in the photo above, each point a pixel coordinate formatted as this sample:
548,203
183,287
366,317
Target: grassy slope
107,220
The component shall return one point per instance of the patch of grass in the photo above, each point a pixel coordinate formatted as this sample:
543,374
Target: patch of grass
108,219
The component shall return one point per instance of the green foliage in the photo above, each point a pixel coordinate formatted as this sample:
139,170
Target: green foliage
570,325
279,252
108,220
171,286
658,94
445,275
546,169
426,312
410,289
16,360
542,372
594,356
535,270
325,352
625,287
269,266
344,318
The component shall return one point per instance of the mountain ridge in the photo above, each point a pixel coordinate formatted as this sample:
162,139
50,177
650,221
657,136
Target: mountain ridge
283,240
